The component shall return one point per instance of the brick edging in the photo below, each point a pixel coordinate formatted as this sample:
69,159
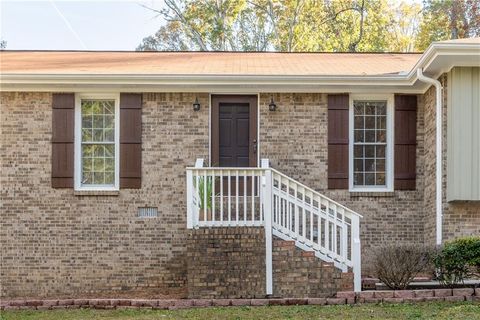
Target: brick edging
347,297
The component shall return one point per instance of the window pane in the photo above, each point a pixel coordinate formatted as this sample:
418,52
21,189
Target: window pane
359,122
109,122
358,165
358,151
369,151
370,165
369,135
380,164
98,178
98,137
381,108
370,138
369,122
380,179
358,178
380,151
370,108
369,179
358,107
381,122
381,136
359,136
109,177
109,150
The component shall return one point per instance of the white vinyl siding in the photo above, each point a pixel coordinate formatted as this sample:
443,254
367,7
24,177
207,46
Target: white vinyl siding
463,134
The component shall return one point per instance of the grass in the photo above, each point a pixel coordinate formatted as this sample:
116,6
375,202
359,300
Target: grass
438,311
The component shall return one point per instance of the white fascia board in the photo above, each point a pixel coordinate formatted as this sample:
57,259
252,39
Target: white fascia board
202,83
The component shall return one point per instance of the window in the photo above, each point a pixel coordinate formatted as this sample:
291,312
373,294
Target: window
371,143
96,139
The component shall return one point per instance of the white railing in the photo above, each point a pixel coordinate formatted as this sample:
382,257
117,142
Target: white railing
224,197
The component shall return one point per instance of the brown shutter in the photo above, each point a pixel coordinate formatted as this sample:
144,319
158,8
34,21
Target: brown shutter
405,141
338,141
130,140
63,111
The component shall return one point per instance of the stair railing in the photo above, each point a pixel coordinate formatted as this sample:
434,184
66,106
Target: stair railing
227,197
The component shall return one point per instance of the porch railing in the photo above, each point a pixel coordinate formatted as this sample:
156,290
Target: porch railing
226,197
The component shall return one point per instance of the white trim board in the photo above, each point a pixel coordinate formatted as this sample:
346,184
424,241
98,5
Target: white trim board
389,157
78,146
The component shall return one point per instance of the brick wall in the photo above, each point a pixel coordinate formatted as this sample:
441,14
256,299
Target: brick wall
226,263
230,263
57,244
294,138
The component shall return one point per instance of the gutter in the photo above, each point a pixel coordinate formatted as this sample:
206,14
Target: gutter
438,150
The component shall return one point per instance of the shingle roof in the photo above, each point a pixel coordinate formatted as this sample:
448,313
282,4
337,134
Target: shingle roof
205,63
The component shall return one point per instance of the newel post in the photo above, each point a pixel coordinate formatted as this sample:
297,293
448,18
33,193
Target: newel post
267,196
191,211
189,199
356,254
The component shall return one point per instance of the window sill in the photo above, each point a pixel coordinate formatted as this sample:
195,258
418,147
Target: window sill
378,194
110,193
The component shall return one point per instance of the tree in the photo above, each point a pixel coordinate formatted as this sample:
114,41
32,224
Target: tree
169,37
448,19
311,25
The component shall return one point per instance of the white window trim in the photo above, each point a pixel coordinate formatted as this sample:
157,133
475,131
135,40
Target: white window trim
389,157
78,142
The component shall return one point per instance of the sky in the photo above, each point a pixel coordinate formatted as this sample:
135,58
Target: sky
77,25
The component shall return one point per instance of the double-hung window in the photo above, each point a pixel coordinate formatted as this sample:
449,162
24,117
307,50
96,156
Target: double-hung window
97,142
371,143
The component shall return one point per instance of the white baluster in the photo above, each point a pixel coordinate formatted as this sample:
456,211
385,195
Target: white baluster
245,196
213,195
236,198
253,196
229,199
221,195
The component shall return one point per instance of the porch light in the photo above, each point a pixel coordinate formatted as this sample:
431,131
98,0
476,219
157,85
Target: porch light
196,105
272,106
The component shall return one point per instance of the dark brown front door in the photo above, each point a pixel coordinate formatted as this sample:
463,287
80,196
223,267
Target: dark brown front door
234,131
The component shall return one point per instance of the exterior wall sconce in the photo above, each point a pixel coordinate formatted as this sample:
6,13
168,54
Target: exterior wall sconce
196,105
272,106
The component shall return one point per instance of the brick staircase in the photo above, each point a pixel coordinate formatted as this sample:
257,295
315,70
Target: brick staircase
228,263
301,274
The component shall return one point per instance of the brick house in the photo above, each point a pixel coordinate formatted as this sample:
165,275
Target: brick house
230,174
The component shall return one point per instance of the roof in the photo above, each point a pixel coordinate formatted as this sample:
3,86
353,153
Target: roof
202,63
232,72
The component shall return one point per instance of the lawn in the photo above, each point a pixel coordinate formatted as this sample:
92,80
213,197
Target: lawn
438,311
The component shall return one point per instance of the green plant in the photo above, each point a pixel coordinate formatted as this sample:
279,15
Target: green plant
457,260
397,265
205,187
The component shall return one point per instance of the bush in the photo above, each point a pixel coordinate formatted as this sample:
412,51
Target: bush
458,260
397,265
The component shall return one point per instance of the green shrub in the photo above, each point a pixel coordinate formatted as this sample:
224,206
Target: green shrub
458,260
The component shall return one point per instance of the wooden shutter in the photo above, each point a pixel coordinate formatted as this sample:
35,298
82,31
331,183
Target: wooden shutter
338,141
405,141
130,140
63,114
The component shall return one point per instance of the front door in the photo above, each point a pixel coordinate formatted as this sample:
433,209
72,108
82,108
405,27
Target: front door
234,131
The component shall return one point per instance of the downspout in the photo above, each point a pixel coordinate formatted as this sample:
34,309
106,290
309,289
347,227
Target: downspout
438,150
